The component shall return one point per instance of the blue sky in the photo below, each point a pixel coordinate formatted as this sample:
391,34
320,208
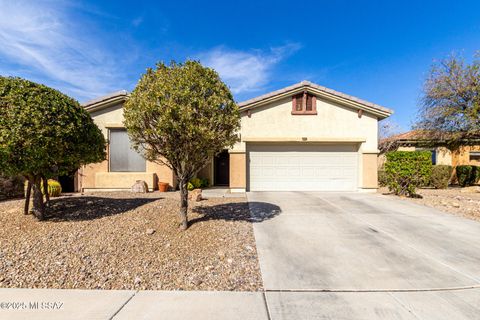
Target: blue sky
376,50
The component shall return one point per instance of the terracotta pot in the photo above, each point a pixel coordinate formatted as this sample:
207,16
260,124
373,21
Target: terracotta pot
162,186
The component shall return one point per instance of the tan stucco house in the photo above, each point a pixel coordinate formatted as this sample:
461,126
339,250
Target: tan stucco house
467,154
304,137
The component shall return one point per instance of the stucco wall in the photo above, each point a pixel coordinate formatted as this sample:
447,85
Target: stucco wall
238,171
333,123
370,173
98,175
444,156
462,156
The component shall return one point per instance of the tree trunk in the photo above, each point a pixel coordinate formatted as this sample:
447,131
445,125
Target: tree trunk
183,204
45,189
27,197
38,205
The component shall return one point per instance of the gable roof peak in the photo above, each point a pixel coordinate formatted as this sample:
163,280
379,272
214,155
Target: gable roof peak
320,91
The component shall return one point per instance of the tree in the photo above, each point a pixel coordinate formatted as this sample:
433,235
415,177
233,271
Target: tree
450,111
44,133
387,129
181,115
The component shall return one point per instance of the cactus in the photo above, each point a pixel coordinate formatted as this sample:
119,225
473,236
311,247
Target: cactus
54,188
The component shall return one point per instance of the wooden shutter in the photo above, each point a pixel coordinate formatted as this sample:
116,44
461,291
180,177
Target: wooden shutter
309,106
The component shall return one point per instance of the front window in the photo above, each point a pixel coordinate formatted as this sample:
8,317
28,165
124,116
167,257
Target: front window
474,156
123,158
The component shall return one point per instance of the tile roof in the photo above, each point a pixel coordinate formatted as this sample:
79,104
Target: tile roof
308,84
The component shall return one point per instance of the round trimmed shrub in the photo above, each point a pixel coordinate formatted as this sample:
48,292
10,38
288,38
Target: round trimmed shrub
463,175
467,175
440,177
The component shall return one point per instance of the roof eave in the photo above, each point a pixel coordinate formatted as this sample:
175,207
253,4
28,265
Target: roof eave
105,103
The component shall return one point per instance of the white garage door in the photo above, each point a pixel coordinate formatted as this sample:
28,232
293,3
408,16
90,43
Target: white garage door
302,167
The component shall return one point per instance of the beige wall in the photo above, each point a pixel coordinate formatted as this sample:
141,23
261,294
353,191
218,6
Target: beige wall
462,156
207,173
238,170
273,122
444,156
97,175
333,123
369,174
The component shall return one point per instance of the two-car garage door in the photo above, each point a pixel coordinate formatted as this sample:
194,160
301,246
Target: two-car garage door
302,167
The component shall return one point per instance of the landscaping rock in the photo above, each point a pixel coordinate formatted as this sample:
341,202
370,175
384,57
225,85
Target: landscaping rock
140,186
195,195
103,245
150,231
451,200
472,189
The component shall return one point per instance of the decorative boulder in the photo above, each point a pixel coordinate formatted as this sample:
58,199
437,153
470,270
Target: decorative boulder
195,195
140,187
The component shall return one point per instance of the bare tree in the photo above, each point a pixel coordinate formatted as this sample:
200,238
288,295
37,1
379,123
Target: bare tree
450,112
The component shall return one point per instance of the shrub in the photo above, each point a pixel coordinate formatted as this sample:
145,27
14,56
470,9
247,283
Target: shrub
475,177
467,175
382,178
440,177
11,187
407,170
205,183
196,183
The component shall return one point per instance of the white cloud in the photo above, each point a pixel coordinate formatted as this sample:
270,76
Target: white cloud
246,71
42,41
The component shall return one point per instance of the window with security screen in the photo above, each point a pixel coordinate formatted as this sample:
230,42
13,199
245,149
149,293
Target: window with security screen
122,157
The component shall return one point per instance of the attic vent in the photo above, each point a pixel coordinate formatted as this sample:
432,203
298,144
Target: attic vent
304,104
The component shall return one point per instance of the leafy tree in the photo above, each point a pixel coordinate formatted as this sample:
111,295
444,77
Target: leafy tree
44,133
181,115
450,111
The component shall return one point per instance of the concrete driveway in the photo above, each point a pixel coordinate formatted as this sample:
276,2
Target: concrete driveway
362,256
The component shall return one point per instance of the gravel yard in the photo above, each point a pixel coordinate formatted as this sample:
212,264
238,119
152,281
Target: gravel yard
463,202
122,240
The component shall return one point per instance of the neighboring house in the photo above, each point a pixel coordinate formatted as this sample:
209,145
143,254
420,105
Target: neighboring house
304,137
414,141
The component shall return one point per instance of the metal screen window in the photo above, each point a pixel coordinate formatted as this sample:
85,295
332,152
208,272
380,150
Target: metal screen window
123,158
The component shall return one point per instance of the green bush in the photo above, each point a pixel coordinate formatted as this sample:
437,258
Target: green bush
440,177
382,178
11,187
475,177
467,175
196,183
407,170
205,183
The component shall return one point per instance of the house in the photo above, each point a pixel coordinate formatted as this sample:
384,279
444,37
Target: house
304,137
468,154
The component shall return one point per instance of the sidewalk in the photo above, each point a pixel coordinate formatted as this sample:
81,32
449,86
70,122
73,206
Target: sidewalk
54,304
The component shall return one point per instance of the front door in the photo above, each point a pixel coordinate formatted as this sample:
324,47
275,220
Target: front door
222,169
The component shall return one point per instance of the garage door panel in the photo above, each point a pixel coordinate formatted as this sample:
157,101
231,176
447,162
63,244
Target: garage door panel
302,168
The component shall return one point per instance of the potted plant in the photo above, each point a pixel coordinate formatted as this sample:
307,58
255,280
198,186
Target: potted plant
162,186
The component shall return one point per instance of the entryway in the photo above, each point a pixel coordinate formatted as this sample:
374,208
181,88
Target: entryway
221,171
